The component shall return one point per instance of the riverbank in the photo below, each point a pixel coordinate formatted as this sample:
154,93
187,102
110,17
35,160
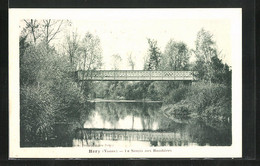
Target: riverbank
208,102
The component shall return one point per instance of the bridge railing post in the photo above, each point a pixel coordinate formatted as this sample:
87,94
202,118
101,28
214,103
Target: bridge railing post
114,75
162,75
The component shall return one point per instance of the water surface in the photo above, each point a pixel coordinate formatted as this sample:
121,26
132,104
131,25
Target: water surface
140,119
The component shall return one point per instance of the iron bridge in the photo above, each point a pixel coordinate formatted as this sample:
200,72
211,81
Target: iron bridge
135,75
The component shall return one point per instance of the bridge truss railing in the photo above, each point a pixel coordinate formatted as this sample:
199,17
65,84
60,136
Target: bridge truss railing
134,75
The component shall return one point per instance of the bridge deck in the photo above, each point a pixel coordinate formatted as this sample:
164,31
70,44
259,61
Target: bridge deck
134,75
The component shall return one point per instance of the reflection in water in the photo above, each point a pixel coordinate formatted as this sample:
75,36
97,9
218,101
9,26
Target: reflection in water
128,122
109,143
143,124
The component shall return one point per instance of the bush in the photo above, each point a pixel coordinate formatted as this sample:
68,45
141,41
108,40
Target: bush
37,114
200,100
208,99
48,94
176,95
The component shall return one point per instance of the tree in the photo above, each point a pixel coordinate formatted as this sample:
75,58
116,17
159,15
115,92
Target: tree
32,29
50,29
131,61
45,30
154,56
89,58
205,46
46,98
205,50
90,51
208,64
222,72
23,45
116,61
176,56
71,47
114,85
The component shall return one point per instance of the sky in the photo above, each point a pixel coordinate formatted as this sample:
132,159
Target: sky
125,31
129,36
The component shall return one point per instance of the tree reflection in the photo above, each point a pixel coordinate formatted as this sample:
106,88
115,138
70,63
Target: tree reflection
198,131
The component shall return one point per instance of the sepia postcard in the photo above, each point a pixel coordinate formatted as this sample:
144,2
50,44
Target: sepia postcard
125,83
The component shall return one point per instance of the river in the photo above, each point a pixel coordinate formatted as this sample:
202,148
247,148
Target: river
128,124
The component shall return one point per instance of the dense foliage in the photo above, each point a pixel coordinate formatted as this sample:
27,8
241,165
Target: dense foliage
210,96
49,92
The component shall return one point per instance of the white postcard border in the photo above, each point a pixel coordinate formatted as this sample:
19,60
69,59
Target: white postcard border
233,151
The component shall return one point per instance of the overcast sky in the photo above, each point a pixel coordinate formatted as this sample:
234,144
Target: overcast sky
129,36
125,31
